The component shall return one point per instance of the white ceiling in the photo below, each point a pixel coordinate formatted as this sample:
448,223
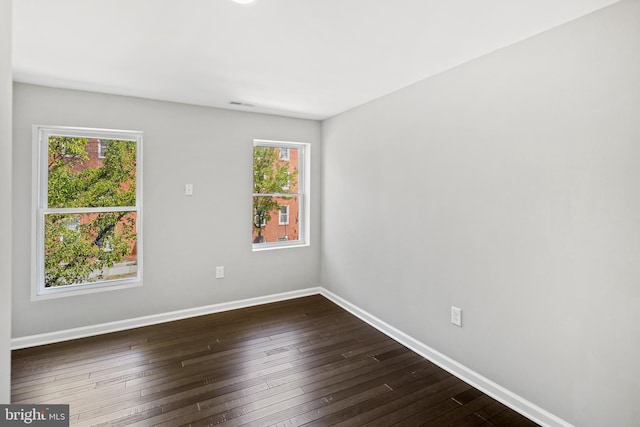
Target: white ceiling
301,58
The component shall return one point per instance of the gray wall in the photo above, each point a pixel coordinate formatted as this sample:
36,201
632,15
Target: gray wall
5,200
509,187
184,237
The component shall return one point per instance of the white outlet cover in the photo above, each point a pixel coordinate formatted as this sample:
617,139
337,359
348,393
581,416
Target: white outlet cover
456,316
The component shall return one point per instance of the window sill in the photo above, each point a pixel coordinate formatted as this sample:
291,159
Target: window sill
269,247
72,290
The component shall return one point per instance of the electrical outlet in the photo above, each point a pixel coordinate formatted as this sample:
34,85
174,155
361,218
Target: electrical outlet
456,316
220,272
188,189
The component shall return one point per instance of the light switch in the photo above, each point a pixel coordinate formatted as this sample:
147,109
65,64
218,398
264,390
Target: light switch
188,189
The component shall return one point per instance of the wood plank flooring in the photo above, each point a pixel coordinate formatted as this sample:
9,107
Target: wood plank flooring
298,362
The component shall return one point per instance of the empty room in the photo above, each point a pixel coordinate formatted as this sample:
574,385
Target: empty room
287,212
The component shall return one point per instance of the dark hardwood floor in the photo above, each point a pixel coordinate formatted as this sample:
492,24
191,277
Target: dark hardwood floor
299,362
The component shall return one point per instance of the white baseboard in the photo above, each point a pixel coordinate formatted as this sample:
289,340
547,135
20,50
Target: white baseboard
488,387
105,328
501,394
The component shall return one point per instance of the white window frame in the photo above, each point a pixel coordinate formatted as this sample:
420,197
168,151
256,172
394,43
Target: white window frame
41,136
303,195
286,215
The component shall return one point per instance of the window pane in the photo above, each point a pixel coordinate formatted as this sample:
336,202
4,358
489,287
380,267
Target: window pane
275,219
88,172
272,173
90,247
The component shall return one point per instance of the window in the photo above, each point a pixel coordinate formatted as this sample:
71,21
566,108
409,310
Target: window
102,148
283,218
280,201
88,210
288,184
260,220
74,223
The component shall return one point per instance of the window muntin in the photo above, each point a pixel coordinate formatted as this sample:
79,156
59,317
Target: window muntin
279,194
88,210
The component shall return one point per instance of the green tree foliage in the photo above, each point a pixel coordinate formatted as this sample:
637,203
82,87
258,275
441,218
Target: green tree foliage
272,180
79,247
